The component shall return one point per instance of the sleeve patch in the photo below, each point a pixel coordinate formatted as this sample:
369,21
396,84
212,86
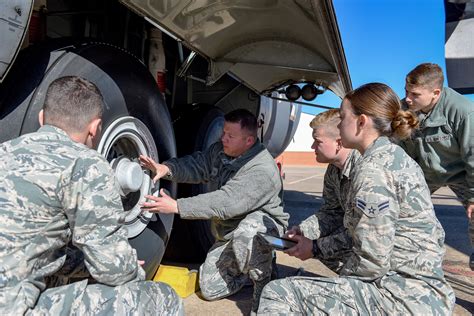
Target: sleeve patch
372,207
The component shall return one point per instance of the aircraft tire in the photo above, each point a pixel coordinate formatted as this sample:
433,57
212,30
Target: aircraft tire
135,120
195,131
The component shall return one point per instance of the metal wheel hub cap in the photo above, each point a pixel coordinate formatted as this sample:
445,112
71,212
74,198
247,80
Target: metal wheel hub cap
122,142
129,175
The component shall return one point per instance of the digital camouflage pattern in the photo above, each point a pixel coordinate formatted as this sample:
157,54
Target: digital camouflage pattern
443,147
398,247
248,198
131,298
326,225
243,255
60,215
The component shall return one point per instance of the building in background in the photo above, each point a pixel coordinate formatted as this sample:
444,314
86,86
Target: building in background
299,150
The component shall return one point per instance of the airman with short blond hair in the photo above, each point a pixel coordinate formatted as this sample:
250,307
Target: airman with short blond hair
323,235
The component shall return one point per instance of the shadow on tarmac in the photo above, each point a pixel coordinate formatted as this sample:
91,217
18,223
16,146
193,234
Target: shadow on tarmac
454,221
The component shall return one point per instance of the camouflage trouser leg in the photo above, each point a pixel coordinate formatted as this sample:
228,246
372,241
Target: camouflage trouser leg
228,263
462,193
335,264
324,296
73,269
134,298
336,240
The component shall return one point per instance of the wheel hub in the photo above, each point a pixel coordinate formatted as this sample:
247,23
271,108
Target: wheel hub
122,142
129,175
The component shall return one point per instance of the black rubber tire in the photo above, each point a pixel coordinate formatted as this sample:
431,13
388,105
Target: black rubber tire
192,134
128,89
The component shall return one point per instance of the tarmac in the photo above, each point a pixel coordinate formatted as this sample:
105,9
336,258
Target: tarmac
303,190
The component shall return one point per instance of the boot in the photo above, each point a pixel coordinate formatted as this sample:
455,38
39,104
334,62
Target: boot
471,261
259,283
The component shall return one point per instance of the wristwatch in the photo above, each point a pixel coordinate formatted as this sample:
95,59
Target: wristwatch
315,250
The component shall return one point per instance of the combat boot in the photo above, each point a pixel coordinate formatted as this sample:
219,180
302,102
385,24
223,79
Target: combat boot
259,283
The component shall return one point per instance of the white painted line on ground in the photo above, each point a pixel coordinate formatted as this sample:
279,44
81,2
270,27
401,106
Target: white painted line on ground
304,179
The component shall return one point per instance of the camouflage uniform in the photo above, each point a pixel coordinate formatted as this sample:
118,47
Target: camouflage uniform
60,213
443,147
326,227
395,266
248,199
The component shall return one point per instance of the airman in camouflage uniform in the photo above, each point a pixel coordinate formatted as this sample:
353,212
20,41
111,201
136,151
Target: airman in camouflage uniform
248,200
395,264
61,215
325,229
443,145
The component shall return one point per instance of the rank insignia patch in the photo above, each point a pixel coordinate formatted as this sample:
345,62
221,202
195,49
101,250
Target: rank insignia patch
372,208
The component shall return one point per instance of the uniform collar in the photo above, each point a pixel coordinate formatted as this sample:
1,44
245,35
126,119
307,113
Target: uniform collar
54,130
349,163
381,141
434,117
242,159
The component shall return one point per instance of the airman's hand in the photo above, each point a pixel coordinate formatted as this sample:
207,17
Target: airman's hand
303,250
164,204
159,170
293,231
470,210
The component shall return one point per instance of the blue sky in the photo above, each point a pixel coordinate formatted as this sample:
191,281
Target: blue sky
384,39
